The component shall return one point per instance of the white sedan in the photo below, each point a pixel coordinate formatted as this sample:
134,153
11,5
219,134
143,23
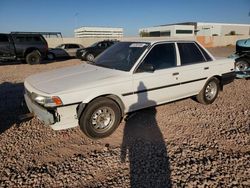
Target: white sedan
63,51
126,77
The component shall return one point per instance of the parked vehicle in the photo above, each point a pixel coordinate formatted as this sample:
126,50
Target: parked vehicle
63,51
242,58
126,77
23,46
94,50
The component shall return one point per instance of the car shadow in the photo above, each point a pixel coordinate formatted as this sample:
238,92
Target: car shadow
144,145
14,62
11,97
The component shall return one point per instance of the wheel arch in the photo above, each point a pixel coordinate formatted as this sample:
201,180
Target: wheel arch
82,106
220,81
29,50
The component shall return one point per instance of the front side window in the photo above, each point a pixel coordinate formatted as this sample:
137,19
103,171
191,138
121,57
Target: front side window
21,39
36,39
162,56
61,46
121,56
190,54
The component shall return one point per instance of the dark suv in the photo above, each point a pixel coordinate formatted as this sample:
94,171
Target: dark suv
94,50
30,47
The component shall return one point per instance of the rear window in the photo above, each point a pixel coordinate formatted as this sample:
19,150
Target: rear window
72,46
190,54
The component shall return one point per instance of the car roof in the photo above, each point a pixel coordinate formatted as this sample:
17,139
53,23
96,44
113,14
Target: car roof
153,41
69,43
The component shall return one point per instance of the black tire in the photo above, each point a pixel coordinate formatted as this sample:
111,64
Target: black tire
33,58
90,57
100,118
209,92
242,64
51,56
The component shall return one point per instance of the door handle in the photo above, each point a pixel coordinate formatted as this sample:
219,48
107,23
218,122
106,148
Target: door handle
206,68
175,74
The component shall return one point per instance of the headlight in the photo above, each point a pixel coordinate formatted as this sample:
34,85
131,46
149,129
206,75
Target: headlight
83,52
47,101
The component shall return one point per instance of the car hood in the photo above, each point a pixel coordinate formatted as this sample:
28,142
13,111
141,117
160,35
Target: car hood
72,78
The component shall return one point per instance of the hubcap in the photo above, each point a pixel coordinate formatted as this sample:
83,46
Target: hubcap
242,66
33,59
90,57
103,119
211,90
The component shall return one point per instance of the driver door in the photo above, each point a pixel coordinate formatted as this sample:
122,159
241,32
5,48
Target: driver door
161,83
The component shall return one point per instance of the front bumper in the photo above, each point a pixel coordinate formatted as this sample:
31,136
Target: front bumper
80,54
42,113
63,117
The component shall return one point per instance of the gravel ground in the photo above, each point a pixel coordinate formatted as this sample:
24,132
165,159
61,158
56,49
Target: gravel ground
181,144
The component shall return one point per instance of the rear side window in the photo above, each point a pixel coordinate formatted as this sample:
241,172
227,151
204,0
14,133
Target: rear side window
162,56
190,54
4,38
208,58
28,39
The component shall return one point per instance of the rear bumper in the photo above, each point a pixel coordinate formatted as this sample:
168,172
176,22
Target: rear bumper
243,74
228,78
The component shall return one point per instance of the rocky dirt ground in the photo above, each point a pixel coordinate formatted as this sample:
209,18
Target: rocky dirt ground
181,144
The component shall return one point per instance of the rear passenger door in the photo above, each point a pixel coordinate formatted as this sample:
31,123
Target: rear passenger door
194,68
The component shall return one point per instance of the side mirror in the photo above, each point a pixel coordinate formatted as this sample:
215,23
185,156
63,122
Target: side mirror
145,67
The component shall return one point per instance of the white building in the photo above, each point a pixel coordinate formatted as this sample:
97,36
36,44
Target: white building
221,29
196,28
98,32
168,31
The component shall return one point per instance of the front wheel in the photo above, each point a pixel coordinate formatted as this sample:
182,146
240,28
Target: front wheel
209,92
100,118
90,57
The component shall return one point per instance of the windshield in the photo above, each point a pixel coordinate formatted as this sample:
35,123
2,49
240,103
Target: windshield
121,56
95,44
60,46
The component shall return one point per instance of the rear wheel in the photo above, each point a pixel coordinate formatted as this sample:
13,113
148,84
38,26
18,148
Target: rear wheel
242,64
100,118
33,58
209,92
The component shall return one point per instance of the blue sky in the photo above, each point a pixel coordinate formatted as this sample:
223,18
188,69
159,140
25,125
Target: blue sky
64,16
